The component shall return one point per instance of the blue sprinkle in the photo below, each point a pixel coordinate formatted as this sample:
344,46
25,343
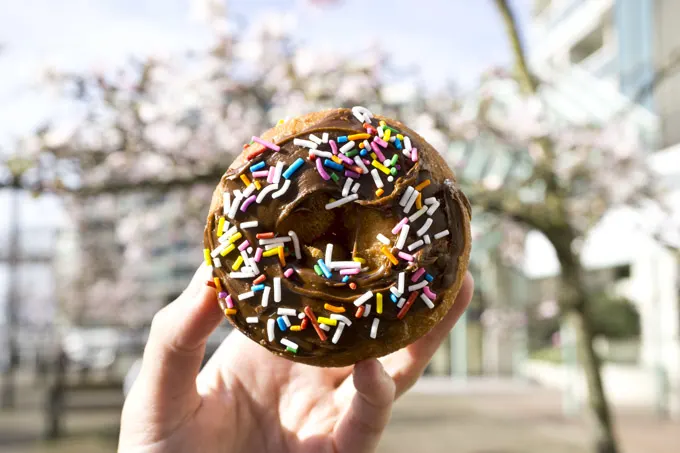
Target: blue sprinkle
324,268
397,143
258,166
428,277
259,287
342,139
363,152
394,298
293,168
345,279
334,165
282,324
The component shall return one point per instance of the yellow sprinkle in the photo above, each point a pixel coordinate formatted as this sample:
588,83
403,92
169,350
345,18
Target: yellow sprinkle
379,192
282,257
334,308
422,185
237,263
359,260
220,227
400,137
336,159
327,321
387,134
258,186
374,156
380,167
383,124
228,250
389,255
361,145
358,137
295,328
378,307
229,311
272,252
245,180
280,122
235,237
218,284
206,255
419,201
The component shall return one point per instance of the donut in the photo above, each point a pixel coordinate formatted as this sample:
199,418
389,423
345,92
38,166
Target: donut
337,236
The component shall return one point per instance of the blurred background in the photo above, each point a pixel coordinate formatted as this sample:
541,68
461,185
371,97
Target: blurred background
560,117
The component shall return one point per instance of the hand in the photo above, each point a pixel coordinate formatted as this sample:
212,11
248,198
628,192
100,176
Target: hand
247,400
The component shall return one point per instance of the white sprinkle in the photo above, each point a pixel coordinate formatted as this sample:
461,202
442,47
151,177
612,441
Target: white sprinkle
272,246
360,164
441,234
347,186
363,298
433,208
325,327
381,132
252,224
217,263
347,147
249,250
315,139
403,234
301,315
342,201
416,215
355,189
286,311
393,139
425,227
401,302
394,290
341,318
296,244
374,328
405,197
415,245
376,179
387,162
325,137
234,206
418,286
338,333
411,200
263,193
367,311
242,274
278,170
381,237
219,249
402,282
275,240
428,241
430,200
390,178
317,153
364,269
406,153
277,289
270,329
226,201
329,254
367,146
248,295
231,231
252,319
362,114
282,190
427,300
289,343
407,143
249,190
265,296
305,143
343,265
286,320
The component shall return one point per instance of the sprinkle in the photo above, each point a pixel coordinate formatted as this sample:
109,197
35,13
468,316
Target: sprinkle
267,235
217,263
321,170
218,284
415,216
249,190
234,206
226,202
257,166
324,268
270,175
296,244
318,270
402,237
433,208
315,139
342,139
345,279
334,177
411,201
429,278
427,301
270,329
422,185
206,256
252,320
282,256
360,312
325,137
295,329
407,307
293,168
374,328
363,298
427,239
286,320
417,274
380,141
335,309
352,174
248,295
229,301
272,252
355,189
393,298
346,187
229,248
414,155
265,296
388,132
341,158
419,201
230,311
418,286
406,196
430,200
274,240
220,227
259,279
362,114
379,303
397,143
277,172
441,234
245,180
265,191
338,333
258,186
401,282
248,274
277,289
342,201
389,255
329,254
352,285
407,143
415,245
428,292
267,144
317,153
393,162
346,147
341,318
425,227
251,224
378,153
310,315
305,143
281,323
400,304
367,311
381,237
360,164
282,190
258,254
379,192
286,311
405,256
376,178
289,344
334,165
237,264
257,150
325,327
394,290
348,272
244,245
234,237
288,272
327,321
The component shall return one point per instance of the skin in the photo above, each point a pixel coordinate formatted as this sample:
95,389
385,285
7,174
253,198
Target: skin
247,400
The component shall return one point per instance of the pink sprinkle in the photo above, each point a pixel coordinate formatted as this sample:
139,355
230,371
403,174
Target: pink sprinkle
346,159
370,130
248,202
349,271
258,254
414,155
270,175
417,274
260,174
376,150
230,303
428,292
366,161
334,146
266,144
405,256
321,170
380,141
352,174
288,272
397,228
244,245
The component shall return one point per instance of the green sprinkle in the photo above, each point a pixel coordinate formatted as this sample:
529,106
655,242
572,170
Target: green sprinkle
289,349
392,129
352,153
393,171
317,269
394,159
334,177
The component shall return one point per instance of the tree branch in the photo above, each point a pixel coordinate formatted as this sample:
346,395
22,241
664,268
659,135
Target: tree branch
526,80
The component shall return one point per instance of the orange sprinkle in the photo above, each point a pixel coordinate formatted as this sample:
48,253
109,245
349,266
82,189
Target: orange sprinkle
257,150
312,156
218,285
334,308
389,255
353,285
356,169
229,311
360,312
422,185
269,235
358,136
407,305
258,186
259,279
245,180
419,201
310,314
367,126
295,328
304,323
379,192
282,257
210,283
361,145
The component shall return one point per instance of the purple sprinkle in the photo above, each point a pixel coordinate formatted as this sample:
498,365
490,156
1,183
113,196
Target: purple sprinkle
266,144
428,292
248,202
352,174
222,295
366,161
417,274
321,170
345,159
380,141
230,303
334,146
244,245
376,150
398,167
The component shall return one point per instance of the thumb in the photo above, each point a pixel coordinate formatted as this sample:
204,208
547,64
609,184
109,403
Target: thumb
362,424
